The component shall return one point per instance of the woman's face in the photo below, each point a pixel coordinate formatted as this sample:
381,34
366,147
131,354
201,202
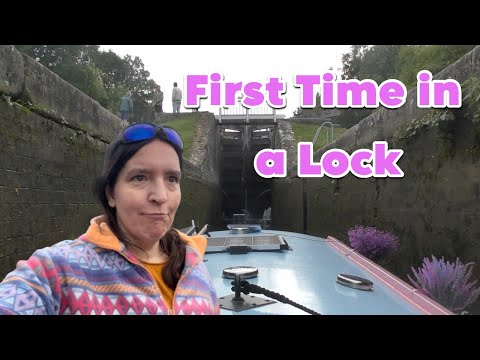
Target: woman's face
147,193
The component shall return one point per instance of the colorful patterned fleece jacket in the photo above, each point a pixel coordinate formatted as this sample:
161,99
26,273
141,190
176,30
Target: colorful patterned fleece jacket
97,274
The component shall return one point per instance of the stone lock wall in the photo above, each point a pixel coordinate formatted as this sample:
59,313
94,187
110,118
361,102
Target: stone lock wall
53,138
434,208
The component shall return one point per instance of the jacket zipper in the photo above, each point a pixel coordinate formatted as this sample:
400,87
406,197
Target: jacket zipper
151,279
172,311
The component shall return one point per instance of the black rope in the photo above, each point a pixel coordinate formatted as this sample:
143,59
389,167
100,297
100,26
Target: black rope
246,288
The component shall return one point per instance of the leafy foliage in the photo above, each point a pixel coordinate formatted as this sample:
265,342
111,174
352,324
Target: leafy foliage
413,58
103,76
401,62
371,242
447,283
377,62
352,62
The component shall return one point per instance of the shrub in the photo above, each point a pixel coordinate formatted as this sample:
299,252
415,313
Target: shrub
371,242
446,283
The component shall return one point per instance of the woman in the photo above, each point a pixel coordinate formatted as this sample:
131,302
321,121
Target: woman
130,260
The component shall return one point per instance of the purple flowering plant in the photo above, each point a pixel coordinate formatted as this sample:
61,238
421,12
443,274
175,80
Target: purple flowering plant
371,242
447,283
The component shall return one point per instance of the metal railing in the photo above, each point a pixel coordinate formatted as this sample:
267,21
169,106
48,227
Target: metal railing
242,112
319,130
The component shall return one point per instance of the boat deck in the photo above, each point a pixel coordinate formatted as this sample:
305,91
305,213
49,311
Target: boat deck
307,273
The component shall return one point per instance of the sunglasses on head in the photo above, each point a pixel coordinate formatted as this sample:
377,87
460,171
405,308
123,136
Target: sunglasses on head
145,131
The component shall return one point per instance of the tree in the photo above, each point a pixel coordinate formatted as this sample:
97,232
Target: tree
352,61
142,88
401,62
378,62
114,68
73,63
413,58
114,71
53,56
103,76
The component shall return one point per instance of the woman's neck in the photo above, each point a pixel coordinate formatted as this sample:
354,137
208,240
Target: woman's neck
153,254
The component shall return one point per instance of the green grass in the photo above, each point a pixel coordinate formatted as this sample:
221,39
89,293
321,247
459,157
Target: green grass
306,132
185,126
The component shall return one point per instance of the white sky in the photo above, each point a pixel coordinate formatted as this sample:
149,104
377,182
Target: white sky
237,63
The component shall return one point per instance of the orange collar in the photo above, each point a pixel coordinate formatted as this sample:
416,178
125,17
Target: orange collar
100,234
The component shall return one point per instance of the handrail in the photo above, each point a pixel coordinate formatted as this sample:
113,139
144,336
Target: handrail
318,133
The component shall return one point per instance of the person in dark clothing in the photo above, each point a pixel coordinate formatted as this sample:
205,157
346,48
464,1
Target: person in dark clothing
157,101
126,106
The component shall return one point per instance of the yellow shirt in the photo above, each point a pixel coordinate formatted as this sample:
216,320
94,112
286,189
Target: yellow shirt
156,271
198,242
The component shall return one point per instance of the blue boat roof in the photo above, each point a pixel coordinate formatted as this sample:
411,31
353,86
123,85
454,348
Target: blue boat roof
307,273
